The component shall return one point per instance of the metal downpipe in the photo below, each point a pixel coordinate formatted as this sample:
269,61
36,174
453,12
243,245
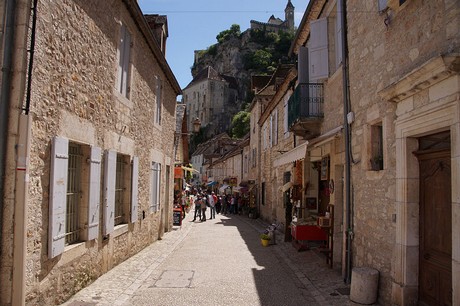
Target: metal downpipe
346,110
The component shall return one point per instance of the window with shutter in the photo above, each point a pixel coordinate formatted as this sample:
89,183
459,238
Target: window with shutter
58,194
94,194
74,193
303,65
134,189
318,50
110,164
124,53
122,189
338,27
158,95
286,122
155,198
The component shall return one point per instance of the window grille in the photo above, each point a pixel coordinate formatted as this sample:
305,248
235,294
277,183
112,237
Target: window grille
119,190
73,193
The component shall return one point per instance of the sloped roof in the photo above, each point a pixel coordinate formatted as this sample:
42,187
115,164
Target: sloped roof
207,73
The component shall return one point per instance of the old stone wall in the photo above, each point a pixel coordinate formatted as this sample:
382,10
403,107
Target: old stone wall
382,50
74,96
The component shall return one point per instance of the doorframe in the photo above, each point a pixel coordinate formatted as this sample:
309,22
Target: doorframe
408,128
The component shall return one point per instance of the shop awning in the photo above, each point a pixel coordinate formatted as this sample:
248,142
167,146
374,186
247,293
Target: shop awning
286,186
190,169
291,156
211,183
326,137
222,189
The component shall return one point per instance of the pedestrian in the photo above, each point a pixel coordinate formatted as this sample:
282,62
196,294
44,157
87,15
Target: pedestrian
219,204
233,205
203,207
197,208
212,206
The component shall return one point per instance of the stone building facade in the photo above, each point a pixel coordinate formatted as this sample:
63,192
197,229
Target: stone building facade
396,107
92,182
213,98
411,54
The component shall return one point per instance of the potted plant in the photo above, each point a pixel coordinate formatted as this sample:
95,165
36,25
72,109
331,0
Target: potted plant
265,239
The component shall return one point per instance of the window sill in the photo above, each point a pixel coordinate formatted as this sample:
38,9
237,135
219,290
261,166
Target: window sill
122,99
374,174
120,230
72,252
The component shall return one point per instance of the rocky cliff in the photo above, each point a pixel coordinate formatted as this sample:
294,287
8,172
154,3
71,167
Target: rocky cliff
244,54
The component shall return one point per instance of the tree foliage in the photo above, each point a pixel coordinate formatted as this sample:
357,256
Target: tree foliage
234,31
240,124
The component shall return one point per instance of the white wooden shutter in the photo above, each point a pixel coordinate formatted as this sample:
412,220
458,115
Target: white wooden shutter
318,50
120,60
134,189
339,42
58,195
126,56
275,136
303,65
94,193
153,192
110,173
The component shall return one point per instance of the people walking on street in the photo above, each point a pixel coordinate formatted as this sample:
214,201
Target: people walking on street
198,203
204,205
212,206
219,204
233,205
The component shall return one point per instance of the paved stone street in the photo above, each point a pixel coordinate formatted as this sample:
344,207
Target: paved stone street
218,262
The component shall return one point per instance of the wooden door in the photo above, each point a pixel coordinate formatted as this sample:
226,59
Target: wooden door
435,278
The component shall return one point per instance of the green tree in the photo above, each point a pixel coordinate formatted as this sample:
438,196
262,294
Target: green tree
240,124
234,31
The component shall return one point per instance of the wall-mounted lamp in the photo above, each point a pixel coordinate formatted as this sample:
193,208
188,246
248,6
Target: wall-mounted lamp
196,125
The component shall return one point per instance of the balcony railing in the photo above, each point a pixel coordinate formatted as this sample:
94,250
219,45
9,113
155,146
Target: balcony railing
305,108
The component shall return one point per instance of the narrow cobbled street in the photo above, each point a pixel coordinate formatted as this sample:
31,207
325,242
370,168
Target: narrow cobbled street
218,262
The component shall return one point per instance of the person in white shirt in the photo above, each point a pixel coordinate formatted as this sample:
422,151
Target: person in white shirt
212,206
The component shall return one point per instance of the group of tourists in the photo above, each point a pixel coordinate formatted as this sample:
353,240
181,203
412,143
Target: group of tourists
226,204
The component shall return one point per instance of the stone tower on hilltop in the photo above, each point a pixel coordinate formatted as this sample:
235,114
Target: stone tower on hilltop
276,24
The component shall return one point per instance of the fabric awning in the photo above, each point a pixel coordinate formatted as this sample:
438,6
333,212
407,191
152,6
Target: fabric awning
190,169
286,186
223,187
291,156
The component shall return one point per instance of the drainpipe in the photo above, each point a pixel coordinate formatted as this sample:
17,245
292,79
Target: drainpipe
346,103
5,93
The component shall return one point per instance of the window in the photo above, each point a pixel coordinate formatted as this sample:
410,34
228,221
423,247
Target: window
274,127
286,122
158,95
155,195
263,193
74,189
122,189
124,53
74,194
376,142
325,44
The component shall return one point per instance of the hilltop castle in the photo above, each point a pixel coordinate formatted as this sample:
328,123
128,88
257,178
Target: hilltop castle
275,24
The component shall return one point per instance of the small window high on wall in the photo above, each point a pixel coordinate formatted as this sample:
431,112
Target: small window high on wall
376,142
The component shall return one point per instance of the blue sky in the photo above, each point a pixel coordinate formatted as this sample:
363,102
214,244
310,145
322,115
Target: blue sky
194,24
